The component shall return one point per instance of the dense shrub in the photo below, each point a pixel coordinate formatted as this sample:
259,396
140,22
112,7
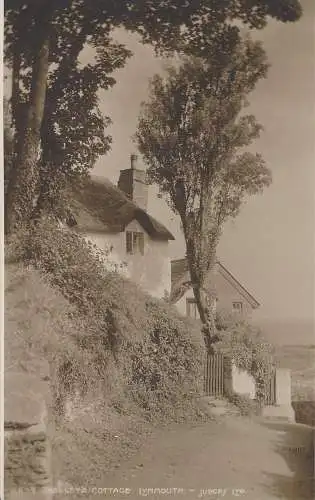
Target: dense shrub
246,346
139,346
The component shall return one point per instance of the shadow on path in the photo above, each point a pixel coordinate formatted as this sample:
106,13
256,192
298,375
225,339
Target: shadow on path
304,412
296,446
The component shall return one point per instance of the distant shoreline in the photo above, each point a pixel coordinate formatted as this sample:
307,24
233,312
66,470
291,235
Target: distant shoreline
299,346
288,333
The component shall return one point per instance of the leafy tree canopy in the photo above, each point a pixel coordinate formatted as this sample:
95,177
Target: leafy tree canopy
194,136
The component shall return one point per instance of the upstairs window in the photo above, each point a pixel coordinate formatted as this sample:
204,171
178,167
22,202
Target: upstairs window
192,309
134,243
238,307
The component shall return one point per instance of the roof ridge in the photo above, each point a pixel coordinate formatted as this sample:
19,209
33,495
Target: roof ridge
239,284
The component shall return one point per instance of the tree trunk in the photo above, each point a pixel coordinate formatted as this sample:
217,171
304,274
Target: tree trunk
51,179
206,303
23,182
202,269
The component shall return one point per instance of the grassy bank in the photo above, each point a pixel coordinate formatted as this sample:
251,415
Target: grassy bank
120,361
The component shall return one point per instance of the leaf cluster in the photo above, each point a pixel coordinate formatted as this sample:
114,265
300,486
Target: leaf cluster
73,128
246,346
194,135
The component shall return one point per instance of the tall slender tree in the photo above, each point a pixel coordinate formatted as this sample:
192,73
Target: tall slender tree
194,136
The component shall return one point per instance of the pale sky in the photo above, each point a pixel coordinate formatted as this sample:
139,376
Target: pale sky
270,246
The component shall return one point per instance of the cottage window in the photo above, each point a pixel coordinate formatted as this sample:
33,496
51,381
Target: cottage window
192,309
134,243
237,307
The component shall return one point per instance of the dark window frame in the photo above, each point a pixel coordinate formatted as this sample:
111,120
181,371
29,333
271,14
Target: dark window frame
134,243
237,306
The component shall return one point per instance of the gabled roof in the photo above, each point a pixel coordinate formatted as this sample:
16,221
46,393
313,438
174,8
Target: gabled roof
181,281
237,285
99,206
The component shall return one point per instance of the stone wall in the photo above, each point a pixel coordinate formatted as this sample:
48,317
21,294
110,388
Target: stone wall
304,412
27,470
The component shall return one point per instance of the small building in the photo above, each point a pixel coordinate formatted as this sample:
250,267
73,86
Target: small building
116,218
230,294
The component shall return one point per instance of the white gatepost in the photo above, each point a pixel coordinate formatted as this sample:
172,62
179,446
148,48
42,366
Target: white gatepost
283,406
283,387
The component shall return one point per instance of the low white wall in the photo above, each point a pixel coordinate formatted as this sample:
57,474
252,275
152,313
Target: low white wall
243,383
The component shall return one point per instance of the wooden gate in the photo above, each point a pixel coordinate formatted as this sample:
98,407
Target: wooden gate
214,375
270,396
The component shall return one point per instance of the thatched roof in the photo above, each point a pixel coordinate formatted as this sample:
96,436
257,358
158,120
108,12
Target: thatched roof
99,206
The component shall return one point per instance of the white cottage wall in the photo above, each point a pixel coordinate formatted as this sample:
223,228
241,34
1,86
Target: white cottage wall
152,271
113,242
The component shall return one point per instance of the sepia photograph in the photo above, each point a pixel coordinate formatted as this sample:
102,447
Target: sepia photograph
158,238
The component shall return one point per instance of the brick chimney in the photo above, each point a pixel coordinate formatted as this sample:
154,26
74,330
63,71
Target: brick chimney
132,182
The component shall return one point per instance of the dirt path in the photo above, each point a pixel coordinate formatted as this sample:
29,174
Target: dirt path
235,458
